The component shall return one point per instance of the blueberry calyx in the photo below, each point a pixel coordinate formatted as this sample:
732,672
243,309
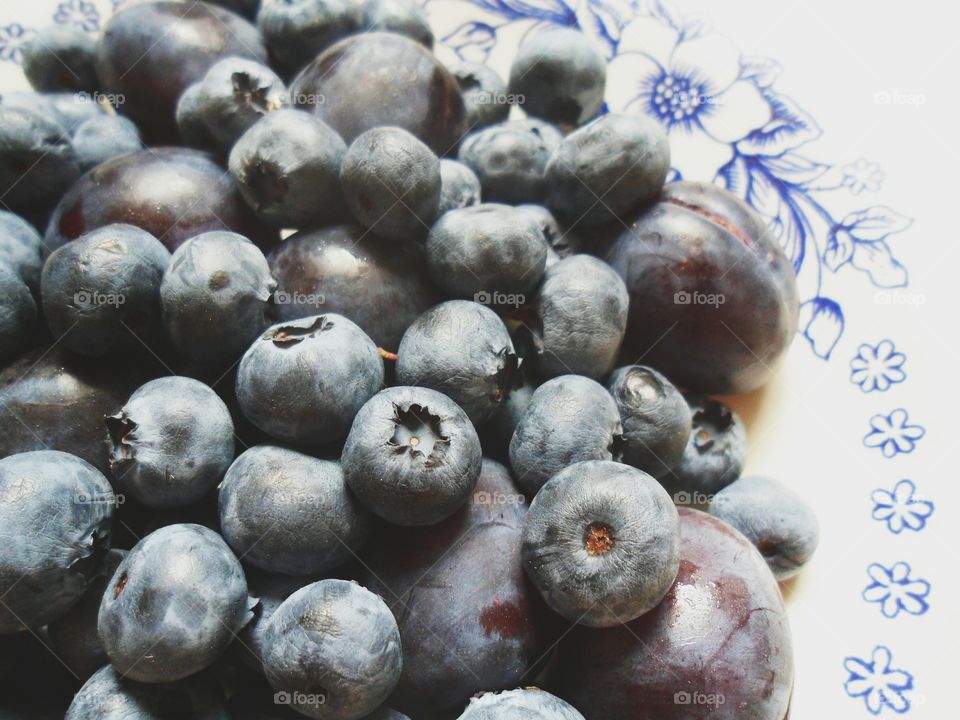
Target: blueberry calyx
120,427
598,539
508,376
289,335
255,95
712,420
417,431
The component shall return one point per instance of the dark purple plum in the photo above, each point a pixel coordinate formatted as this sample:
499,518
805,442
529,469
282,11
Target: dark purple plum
469,618
706,280
50,400
377,79
721,632
383,287
151,52
172,193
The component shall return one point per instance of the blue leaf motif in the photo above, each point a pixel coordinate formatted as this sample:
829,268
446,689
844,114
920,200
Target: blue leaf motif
877,260
821,322
763,71
788,128
554,11
795,169
875,224
472,41
839,249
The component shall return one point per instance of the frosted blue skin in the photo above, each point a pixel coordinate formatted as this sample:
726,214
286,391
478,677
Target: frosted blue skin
286,512
18,314
109,696
61,57
304,380
171,443
774,518
561,75
569,419
484,93
103,137
524,704
459,186
55,513
463,350
234,94
296,31
21,248
174,604
602,543
412,456
336,641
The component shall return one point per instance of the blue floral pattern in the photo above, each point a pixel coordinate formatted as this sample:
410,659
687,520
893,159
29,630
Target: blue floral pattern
12,38
901,508
895,591
877,368
893,434
727,123
877,683
79,13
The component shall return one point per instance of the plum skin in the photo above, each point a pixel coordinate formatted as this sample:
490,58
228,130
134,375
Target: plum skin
728,602
713,298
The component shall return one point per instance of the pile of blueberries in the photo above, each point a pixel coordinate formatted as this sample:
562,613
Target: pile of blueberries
345,384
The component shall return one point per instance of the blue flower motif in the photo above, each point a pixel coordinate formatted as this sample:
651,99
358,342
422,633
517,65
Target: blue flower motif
863,175
895,590
877,368
893,433
12,38
78,13
901,508
877,683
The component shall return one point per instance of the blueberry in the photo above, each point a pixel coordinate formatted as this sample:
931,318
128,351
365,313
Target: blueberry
383,287
303,381
391,182
288,168
286,512
412,456
247,8
191,128
173,605
172,193
50,105
215,296
235,93
103,137
101,293
706,280
171,443
463,350
497,433
510,159
404,17
296,31
602,543
459,186
73,636
714,455
562,241
335,648
561,76
469,619
721,632
607,168
109,695
21,248
51,400
528,703
55,514
485,251
569,419
780,523
656,418
581,309
383,79
61,57
484,93
37,161
149,53
18,314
